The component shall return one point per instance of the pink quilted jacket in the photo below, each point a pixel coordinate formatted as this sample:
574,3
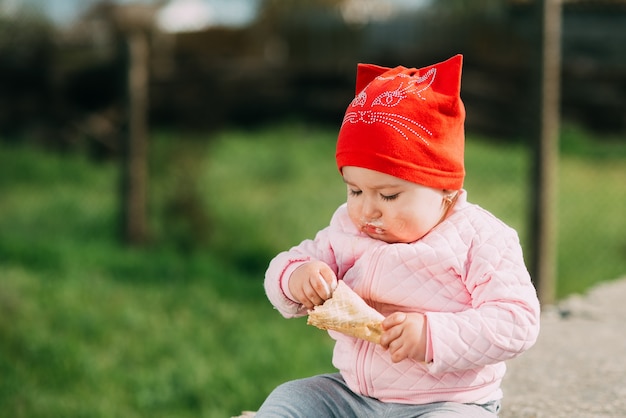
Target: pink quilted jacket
467,276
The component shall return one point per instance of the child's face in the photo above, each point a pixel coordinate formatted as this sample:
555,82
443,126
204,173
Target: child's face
391,209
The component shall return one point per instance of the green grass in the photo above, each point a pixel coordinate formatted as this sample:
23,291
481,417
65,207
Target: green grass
99,347
273,189
182,328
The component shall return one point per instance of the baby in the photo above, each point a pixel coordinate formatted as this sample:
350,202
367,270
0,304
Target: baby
447,275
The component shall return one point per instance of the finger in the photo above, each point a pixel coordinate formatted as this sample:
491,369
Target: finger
325,284
315,291
329,277
306,297
389,336
398,349
306,301
398,354
393,320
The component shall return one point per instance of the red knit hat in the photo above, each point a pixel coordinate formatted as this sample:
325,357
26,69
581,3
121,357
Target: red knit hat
408,123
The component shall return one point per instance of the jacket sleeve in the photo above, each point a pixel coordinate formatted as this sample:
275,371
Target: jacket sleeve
503,319
281,267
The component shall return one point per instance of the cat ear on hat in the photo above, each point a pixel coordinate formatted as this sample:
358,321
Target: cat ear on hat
449,73
365,73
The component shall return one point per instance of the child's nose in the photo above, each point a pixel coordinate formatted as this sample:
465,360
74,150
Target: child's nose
371,210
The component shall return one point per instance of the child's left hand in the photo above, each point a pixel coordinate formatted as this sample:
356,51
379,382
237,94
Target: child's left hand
405,336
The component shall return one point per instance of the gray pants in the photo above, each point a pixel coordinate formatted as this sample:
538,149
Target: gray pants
328,396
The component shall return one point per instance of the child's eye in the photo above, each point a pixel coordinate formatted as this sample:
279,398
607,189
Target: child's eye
355,192
389,197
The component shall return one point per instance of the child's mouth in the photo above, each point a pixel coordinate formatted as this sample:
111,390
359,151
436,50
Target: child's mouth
372,229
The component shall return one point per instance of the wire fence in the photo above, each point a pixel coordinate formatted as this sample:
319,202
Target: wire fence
67,85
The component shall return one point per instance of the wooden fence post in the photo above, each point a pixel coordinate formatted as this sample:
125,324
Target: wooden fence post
136,21
544,220
135,158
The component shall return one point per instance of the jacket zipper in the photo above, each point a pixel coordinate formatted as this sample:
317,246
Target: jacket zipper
365,349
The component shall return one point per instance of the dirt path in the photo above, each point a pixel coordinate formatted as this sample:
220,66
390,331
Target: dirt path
578,366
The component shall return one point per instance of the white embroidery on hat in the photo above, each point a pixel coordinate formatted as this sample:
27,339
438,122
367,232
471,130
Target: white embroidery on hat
393,120
389,99
429,76
359,100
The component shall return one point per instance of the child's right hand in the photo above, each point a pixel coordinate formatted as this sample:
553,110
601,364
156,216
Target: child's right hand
312,283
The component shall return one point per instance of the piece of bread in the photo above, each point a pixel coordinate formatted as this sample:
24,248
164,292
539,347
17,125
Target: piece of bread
347,313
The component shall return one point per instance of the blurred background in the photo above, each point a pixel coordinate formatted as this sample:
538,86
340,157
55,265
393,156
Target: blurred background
155,155
243,62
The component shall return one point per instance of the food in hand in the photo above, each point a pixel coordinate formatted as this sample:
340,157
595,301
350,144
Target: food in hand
347,313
